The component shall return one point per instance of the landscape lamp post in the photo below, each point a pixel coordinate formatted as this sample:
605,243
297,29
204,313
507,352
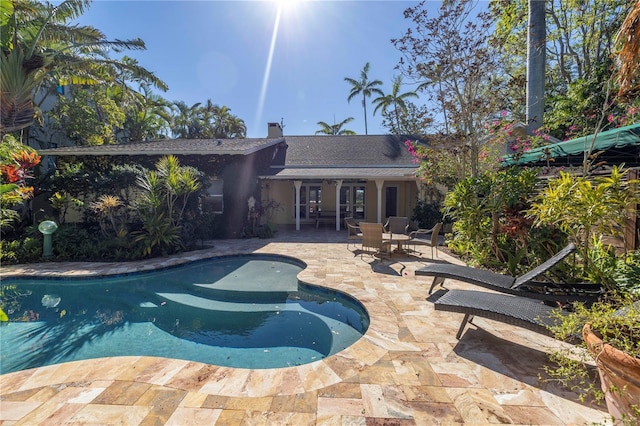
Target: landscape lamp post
47,228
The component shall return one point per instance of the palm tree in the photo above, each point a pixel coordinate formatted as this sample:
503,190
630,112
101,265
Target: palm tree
366,87
395,100
186,123
335,129
40,51
536,49
147,115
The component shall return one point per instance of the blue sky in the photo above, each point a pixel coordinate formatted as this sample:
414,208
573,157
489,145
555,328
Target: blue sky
221,50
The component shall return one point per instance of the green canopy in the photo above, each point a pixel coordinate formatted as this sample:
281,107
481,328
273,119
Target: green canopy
620,137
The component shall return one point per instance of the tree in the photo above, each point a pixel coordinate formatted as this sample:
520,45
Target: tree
413,120
185,123
147,116
449,56
628,53
335,129
394,100
579,42
365,87
41,51
88,117
536,40
206,122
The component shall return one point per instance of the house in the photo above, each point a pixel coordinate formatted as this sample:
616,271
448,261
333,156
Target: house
316,180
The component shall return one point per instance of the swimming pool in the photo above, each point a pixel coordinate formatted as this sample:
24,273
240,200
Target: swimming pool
247,311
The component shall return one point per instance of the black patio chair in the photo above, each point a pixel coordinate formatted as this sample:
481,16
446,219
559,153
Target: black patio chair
524,285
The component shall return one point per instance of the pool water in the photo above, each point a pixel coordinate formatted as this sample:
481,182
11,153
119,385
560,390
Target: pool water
245,311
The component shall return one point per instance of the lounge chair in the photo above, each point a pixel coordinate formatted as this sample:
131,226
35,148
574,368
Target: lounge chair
353,230
372,238
521,311
524,285
426,237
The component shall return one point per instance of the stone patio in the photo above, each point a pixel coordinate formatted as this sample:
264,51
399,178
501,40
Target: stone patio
408,369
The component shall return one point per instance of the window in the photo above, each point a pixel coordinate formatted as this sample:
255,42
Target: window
352,200
310,200
213,201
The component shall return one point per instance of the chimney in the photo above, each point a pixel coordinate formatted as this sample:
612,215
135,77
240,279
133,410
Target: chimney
274,130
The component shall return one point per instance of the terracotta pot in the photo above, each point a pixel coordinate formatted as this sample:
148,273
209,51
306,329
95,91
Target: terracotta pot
617,369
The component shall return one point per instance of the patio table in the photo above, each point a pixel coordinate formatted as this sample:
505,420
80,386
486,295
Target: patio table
400,239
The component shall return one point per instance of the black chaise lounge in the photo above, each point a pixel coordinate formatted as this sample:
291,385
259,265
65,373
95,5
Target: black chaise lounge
523,312
524,285
520,301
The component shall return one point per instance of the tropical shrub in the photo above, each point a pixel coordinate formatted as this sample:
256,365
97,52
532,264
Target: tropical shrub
426,215
16,163
489,226
586,209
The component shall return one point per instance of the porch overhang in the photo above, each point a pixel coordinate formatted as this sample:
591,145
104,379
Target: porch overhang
331,173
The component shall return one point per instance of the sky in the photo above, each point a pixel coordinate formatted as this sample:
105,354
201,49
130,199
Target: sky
268,61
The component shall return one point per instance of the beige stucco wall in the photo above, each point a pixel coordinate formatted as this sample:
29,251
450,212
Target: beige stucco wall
283,193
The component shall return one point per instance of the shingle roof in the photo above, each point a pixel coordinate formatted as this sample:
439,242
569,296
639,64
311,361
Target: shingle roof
305,157
344,157
171,146
348,151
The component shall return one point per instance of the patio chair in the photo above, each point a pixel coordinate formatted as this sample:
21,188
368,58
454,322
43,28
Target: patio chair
426,237
524,285
372,239
353,230
397,225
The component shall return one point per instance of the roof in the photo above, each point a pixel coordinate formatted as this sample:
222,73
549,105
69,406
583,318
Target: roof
170,146
618,141
305,157
345,157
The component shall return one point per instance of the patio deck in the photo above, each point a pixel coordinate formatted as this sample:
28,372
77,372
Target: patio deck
408,369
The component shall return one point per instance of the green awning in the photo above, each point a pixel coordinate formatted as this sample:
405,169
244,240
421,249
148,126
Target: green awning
620,137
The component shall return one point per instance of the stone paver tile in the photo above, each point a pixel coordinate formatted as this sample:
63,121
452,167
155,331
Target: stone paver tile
15,410
19,395
306,402
230,418
193,400
215,401
537,416
427,394
99,414
341,390
282,403
63,414
254,404
164,403
122,393
341,406
187,416
431,413
293,419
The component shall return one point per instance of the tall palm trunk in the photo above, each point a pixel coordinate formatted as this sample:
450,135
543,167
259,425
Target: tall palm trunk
364,105
536,57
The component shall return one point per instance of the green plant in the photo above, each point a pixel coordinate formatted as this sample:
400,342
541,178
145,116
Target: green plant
158,236
586,209
616,321
426,214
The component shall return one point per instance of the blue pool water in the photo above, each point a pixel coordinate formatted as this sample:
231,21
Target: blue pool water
245,311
